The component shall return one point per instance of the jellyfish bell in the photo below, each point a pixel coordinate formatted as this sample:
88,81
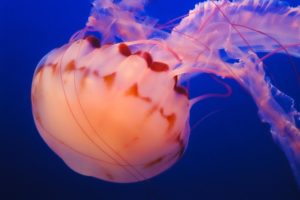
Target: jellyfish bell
110,113
112,110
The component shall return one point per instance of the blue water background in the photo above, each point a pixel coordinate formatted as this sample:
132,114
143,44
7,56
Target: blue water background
231,154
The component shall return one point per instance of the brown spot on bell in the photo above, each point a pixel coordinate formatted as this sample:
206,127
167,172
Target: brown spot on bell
159,67
154,162
133,91
70,66
109,79
170,118
147,57
94,42
124,50
180,89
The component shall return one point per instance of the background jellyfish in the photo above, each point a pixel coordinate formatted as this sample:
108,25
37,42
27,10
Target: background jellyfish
195,46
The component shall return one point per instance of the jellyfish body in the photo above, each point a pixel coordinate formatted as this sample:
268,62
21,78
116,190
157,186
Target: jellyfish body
117,111
108,113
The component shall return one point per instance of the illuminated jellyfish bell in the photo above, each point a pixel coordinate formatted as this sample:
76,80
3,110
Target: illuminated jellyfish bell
108,113
111,111
117,112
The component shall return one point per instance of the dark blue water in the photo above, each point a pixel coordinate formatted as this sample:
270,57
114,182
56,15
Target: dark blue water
231,154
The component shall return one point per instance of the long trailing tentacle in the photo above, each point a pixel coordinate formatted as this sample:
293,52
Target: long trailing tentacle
241,29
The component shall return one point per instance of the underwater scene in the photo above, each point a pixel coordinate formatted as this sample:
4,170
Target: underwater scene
148,99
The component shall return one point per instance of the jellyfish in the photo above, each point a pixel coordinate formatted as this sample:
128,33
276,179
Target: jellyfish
111,102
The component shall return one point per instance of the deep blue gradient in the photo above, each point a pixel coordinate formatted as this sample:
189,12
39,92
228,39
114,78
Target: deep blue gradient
231,154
